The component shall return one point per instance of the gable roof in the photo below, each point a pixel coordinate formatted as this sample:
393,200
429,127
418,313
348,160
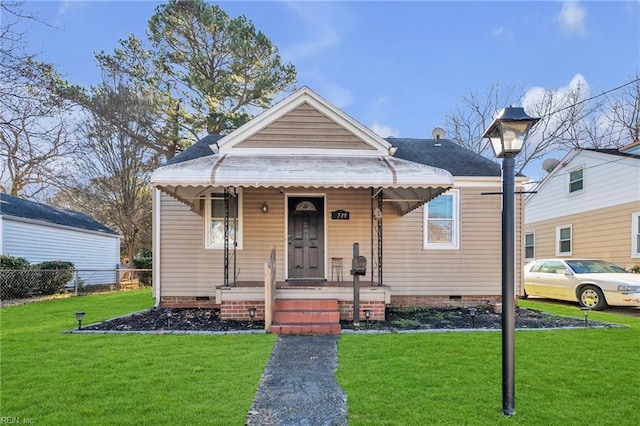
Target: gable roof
20,208
446,155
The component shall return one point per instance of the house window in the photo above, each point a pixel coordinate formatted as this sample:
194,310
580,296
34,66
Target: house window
214,222
441,222
635,234
576,180
529,245
564,240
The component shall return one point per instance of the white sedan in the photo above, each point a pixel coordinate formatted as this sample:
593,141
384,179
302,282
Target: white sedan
593,283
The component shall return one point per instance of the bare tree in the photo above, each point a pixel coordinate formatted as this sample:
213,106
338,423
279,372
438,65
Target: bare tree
467,123
623,111
114,187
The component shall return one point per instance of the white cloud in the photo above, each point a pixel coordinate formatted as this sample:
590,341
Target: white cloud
384,131
572,18
501,33
322,33
336,94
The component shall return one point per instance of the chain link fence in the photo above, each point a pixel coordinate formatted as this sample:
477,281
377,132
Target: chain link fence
20,284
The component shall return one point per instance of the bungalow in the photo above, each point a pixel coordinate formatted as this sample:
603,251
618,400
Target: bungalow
308,180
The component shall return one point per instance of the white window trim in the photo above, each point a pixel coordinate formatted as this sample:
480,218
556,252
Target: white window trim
455,243
534,244
584,181
563,253
635,232
207,224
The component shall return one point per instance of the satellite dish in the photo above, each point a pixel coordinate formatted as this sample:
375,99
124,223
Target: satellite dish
438,133
549,164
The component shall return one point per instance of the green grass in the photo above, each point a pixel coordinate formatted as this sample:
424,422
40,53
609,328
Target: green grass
563,377
56,378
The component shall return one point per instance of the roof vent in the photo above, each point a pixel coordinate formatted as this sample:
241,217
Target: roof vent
437,134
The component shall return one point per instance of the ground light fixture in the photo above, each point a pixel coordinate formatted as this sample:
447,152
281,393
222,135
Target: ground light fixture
79,318
507,134
585,311
367,315
252,313
472,313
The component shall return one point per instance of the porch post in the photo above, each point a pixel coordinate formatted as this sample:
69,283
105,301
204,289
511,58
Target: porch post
226,238
380,238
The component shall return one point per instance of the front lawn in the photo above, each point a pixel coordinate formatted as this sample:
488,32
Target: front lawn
563,377
50,377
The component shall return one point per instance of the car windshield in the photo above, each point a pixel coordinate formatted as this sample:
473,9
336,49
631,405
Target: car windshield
595,267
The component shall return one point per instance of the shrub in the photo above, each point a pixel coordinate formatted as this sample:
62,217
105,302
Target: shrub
54,275
14,281
635,269
145,277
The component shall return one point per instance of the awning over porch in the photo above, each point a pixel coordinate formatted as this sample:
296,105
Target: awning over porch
406,184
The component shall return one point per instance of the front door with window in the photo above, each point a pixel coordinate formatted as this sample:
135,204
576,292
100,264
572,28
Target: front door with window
306,238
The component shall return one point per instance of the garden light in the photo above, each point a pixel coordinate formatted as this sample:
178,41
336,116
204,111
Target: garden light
585,311
473,312
79,318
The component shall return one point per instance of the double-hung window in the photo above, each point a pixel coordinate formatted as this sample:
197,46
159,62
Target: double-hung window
564,240
635,234
576,180
215,220
529,245
441,221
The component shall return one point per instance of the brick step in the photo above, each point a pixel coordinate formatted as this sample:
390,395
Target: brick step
307,329
302,317
306,305
306,317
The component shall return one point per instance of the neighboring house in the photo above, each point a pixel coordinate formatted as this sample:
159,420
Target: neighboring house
588,206
310,180
38,233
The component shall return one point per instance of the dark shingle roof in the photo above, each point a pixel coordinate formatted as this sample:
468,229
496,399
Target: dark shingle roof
197,150
19,207
447,155
613,151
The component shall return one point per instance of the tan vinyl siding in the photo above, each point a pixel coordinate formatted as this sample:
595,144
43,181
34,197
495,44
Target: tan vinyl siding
473,269
602,234
188,269
304,127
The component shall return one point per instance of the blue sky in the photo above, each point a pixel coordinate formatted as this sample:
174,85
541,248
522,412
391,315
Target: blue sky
397,67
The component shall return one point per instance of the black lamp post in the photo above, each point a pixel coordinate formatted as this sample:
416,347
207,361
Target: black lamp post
507,134
79,318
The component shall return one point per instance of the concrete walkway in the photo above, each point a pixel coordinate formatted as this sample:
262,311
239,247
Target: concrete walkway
298,386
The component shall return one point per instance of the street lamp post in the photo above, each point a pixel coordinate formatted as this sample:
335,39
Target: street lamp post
507,134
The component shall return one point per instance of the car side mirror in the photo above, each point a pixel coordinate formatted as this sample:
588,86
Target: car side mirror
562,271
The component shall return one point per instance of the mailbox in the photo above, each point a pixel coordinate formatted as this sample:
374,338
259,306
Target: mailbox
359,266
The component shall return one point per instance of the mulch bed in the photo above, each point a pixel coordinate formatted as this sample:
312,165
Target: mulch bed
396,319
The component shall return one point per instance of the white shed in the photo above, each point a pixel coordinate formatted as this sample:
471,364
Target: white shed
38,233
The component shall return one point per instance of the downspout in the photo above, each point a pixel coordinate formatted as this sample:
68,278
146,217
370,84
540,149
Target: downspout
156,245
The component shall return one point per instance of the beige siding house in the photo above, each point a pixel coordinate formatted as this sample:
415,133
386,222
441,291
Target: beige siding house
588,206
305,181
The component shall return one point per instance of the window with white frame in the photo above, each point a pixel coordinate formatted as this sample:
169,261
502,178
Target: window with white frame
214,220
576,180
564,240
635,234
441,222
529,245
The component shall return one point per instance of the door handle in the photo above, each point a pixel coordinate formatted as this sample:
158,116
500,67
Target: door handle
290,239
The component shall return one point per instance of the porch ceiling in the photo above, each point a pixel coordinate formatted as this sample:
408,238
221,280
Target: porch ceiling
406,184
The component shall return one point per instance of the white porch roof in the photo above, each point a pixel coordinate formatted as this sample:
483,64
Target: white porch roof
407,184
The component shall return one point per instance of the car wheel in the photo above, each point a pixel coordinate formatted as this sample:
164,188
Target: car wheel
592,297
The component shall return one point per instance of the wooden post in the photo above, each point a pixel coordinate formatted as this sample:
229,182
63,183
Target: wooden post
356,286
269,288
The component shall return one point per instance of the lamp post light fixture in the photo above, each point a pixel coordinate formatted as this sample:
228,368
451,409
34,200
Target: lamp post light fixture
79,318
507,134
252,313
585,311
473,312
